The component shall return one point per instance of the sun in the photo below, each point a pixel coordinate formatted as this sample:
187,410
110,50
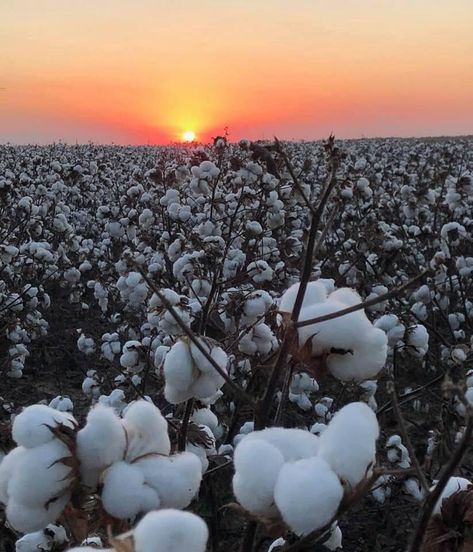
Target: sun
189,136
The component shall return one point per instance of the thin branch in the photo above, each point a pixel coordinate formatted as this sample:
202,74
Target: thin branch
391,386
295,179
182,440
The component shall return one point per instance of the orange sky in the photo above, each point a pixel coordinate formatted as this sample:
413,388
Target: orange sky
144,71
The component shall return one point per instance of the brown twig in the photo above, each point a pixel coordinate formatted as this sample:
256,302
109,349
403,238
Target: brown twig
391,387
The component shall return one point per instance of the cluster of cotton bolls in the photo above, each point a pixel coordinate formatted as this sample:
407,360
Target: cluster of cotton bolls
131,458
190,374
133,289
294,474
398,456
37,477
353,349
128,456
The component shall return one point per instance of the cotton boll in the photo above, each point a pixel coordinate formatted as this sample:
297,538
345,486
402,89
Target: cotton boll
216,353
27,519
33,542
334,542
170,531
342,332
175,478
206,386
147,430
63,404
275,544
39,475
257,465
7,468
204,416
203,451
44,540
30,428
347,296
260,271
454,485
308,494
125,494
417,341
179,370
316,292
293,444
189,374
349,442
101,442
365,362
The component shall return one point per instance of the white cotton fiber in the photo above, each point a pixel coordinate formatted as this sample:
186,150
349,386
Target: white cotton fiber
205,416
293,444
257,466
102,441
125,494
454,485
170,531
38,475
27,519
30,428
316,292
216,353
347,296
364,362
175,478
348,444
202,452
343,332
308,494
179,370
189,374
7,468
147,430
206,385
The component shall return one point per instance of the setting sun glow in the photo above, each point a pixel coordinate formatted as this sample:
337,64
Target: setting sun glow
297,70
189,136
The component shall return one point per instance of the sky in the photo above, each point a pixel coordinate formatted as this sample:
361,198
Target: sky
146,71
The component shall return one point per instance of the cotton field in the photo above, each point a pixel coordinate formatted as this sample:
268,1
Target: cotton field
237,347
